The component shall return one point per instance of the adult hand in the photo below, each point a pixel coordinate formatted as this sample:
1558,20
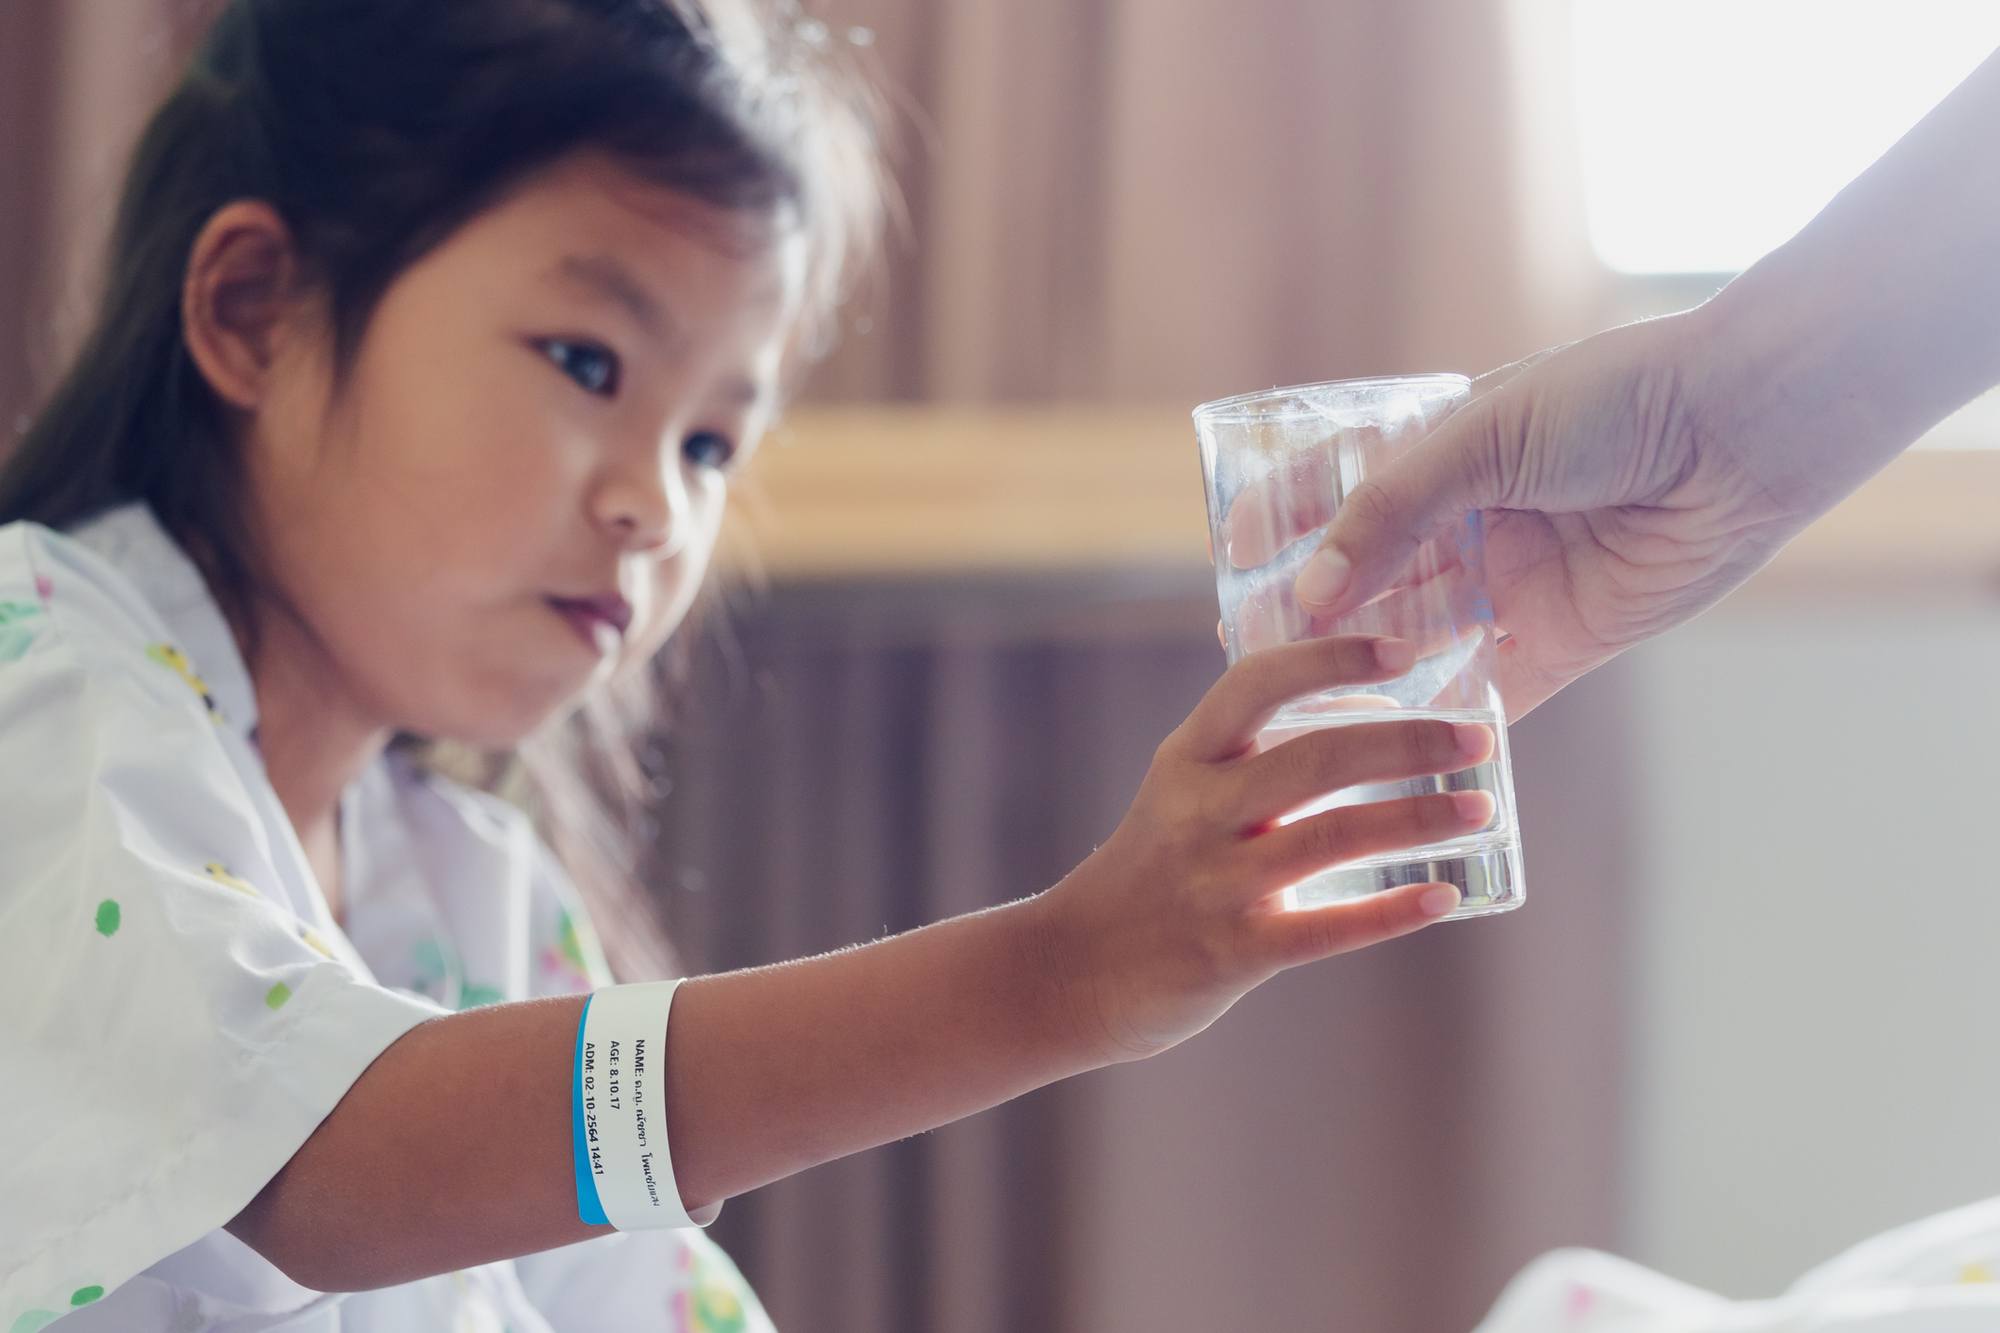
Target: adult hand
1632,479
1616,503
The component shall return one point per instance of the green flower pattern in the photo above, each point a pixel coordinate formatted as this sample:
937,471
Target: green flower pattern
436,967
33,1321
20,625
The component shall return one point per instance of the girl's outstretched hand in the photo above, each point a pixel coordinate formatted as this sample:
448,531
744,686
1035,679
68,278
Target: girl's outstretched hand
1179,913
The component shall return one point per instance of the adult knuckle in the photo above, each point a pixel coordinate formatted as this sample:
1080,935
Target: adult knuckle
1370,505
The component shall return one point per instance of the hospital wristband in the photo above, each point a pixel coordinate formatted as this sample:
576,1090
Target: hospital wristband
618,1100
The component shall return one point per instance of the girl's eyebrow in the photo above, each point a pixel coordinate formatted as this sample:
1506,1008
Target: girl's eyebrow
605,277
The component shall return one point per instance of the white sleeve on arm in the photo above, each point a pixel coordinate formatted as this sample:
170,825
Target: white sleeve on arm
170,1035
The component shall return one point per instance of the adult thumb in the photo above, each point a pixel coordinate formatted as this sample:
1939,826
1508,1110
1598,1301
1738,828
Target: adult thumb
1380,524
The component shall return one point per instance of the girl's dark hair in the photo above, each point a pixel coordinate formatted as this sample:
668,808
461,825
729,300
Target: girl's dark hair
376,128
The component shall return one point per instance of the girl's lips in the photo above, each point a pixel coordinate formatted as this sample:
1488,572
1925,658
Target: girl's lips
600,622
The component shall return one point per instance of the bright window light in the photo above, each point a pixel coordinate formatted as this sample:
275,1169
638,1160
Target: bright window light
1713,129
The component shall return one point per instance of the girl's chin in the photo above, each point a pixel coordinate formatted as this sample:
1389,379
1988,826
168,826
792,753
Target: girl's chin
505,723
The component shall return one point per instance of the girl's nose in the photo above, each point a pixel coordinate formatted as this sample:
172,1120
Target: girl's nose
646,506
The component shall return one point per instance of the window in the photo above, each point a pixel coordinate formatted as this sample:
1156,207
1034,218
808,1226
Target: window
1711,130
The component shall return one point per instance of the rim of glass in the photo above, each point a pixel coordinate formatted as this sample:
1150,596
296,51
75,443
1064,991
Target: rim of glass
1238,407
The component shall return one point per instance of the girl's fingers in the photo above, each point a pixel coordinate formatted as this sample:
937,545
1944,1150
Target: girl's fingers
1319,763
1226,722
1291,852
1287,939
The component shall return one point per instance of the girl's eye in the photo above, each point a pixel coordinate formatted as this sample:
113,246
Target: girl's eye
592,367
705,448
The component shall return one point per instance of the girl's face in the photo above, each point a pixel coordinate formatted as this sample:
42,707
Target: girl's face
520,479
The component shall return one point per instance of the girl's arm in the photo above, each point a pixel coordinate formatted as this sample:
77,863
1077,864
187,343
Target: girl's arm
454,1148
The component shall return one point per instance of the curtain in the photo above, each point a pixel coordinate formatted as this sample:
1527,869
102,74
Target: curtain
1104,200
77,79
1144,199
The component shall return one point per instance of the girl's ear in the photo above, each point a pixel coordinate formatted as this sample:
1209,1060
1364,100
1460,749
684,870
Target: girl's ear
237,298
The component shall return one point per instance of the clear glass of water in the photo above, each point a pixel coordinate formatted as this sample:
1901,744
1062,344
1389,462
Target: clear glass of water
1278,465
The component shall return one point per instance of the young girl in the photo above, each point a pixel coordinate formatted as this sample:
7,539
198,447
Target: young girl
433,335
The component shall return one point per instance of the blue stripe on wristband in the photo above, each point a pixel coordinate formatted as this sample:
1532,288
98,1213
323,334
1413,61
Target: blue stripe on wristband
588,1207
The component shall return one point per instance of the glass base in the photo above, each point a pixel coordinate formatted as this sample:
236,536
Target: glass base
1487,875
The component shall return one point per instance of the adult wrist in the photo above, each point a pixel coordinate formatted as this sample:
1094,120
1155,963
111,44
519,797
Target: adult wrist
1801,380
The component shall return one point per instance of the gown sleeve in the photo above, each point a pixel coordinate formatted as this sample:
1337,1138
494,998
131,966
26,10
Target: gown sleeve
172,1034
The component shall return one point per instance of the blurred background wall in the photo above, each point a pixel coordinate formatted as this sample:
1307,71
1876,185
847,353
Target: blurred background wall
1743,1020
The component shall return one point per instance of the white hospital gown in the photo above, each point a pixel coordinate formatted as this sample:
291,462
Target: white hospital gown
178,1008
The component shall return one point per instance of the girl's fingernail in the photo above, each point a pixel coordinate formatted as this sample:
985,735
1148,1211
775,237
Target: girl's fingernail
1437,901
1395,655
1323,578
1472,805
1472,738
